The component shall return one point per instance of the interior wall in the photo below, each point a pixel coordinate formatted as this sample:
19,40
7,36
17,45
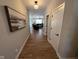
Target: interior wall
11,42
69,36
67,48
52,5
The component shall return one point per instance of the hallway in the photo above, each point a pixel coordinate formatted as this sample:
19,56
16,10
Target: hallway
58,38
37,47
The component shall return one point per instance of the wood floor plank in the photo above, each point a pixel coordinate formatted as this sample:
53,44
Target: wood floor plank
37,47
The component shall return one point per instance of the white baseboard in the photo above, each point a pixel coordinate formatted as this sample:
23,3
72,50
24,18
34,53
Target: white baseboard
59,54
22,47
68,58
64,57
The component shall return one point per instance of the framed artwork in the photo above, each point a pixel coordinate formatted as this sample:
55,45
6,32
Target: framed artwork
16,20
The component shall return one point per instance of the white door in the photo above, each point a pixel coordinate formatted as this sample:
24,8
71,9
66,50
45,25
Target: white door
56,25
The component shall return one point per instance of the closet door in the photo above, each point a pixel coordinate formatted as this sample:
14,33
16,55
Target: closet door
56,25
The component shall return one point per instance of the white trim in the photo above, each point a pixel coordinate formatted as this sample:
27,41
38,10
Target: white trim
59,54
68,57
63,57
22,47
61,5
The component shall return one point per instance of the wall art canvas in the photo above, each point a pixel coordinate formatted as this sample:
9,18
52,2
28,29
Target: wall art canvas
16,20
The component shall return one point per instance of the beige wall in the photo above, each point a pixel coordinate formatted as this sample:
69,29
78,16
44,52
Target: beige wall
69,35
10,41
51,6
67,48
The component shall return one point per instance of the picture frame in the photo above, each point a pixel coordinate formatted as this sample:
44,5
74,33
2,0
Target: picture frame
16,20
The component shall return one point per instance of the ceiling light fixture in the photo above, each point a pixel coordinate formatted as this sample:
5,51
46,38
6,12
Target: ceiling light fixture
36,5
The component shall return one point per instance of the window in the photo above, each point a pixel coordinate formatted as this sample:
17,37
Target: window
38,21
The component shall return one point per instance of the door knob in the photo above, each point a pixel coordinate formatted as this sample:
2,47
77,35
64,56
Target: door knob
57,34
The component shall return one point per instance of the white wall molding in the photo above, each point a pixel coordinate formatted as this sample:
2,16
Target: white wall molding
59,54
22,47
65,57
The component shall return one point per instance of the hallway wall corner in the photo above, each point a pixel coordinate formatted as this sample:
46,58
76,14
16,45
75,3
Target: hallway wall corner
22,47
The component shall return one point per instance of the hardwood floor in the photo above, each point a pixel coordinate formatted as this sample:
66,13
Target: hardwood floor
37,47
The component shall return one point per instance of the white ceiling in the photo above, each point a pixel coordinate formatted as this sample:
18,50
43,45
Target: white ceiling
42,6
